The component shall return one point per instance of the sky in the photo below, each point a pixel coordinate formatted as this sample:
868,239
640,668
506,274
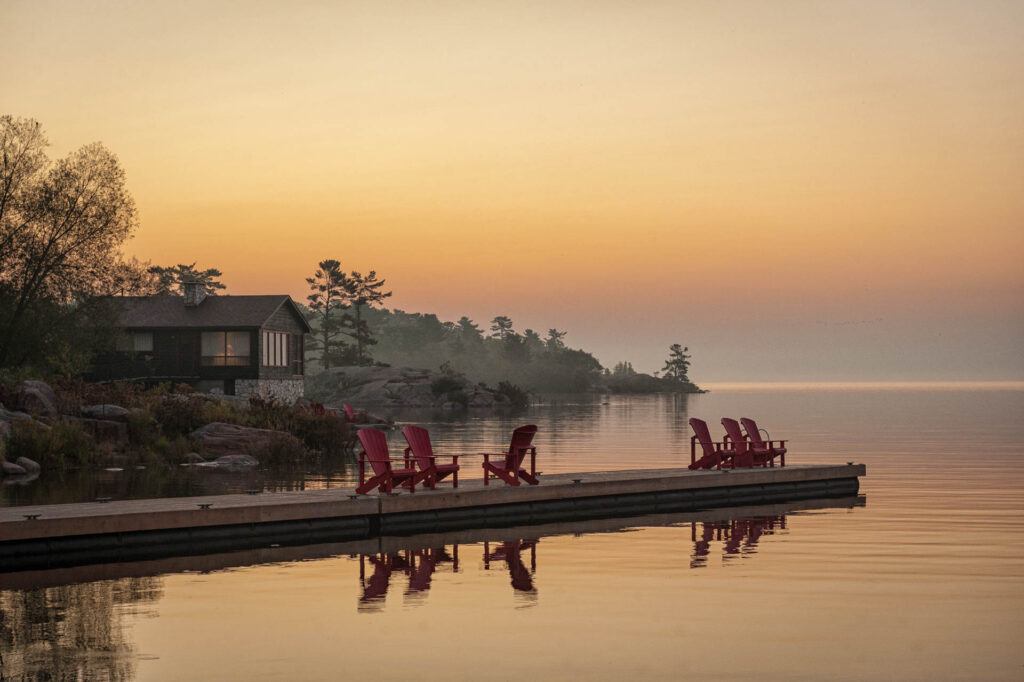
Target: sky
796,191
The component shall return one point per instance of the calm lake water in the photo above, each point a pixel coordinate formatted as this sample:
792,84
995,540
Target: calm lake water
919,578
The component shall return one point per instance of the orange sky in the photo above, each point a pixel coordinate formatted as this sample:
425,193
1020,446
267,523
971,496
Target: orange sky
802,190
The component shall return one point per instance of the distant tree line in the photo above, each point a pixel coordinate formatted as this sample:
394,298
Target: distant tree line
501,354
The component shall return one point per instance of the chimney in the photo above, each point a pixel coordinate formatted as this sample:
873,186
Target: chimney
195,293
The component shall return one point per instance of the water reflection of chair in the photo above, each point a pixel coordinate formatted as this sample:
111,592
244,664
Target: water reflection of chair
511,468
424,562
423,454
766,450
418,564
715,454
511,554
738,536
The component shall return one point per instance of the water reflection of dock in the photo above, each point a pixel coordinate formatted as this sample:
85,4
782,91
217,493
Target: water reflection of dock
739,532
70,622
446,545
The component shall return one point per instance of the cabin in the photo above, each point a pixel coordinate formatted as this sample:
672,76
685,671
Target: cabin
230,345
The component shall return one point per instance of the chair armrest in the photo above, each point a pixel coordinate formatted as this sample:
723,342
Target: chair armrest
364,458
440,456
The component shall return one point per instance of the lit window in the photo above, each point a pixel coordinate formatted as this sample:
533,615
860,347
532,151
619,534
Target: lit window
225,349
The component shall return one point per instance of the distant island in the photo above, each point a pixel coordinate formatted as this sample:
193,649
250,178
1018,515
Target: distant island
419,360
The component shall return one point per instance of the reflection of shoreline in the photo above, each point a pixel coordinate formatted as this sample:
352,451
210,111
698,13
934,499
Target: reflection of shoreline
383,545
73,632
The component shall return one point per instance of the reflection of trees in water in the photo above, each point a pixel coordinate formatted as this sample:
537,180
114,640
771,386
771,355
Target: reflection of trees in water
72,632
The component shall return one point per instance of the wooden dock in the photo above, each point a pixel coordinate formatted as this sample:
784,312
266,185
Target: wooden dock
51,536
35,579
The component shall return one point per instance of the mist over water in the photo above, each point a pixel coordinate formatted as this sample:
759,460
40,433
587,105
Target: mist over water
920,578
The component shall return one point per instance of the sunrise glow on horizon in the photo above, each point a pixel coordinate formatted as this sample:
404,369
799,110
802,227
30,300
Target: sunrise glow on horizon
794,190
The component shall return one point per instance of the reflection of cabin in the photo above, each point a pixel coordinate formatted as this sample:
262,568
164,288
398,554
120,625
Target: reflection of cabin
236,345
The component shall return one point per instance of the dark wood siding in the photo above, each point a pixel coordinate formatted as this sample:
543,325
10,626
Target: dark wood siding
283,320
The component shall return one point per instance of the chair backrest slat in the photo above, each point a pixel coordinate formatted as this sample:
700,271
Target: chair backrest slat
700,429
521,440
418,439
732,429
375,444
753,433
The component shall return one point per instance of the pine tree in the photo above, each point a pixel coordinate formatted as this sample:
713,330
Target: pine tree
678,364
329,285
501,327
362,291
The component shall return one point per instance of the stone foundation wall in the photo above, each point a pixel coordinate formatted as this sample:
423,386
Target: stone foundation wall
285,390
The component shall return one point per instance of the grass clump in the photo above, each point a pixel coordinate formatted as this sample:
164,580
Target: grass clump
65,444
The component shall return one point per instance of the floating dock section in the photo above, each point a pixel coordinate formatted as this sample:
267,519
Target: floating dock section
52,536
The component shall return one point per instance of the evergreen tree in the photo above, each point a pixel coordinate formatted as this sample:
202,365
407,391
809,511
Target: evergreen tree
678,364
469,331
501,326
362,291
554,340
172,279
329,286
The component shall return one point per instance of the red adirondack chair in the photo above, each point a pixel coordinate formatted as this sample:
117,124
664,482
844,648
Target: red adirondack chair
511,468
385,477
715,454
349,412
765,449
423,454
745,456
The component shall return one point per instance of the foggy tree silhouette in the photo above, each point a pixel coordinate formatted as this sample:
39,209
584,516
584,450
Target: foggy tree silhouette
554,340
329,286
362,291
501,326
678,364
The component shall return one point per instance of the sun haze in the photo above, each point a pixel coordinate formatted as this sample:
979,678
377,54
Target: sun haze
795,190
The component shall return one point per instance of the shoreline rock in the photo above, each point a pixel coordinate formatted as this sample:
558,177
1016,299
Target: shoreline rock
400,387
220,438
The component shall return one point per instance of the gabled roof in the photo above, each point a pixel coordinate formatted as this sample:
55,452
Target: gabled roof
214,311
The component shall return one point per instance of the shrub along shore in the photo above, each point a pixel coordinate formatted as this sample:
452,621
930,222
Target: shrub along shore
73,424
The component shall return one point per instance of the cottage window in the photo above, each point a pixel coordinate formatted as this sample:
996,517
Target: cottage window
138,342
275,349
225,349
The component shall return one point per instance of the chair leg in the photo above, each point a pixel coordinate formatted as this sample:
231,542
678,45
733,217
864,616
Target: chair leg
529,478
374,482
